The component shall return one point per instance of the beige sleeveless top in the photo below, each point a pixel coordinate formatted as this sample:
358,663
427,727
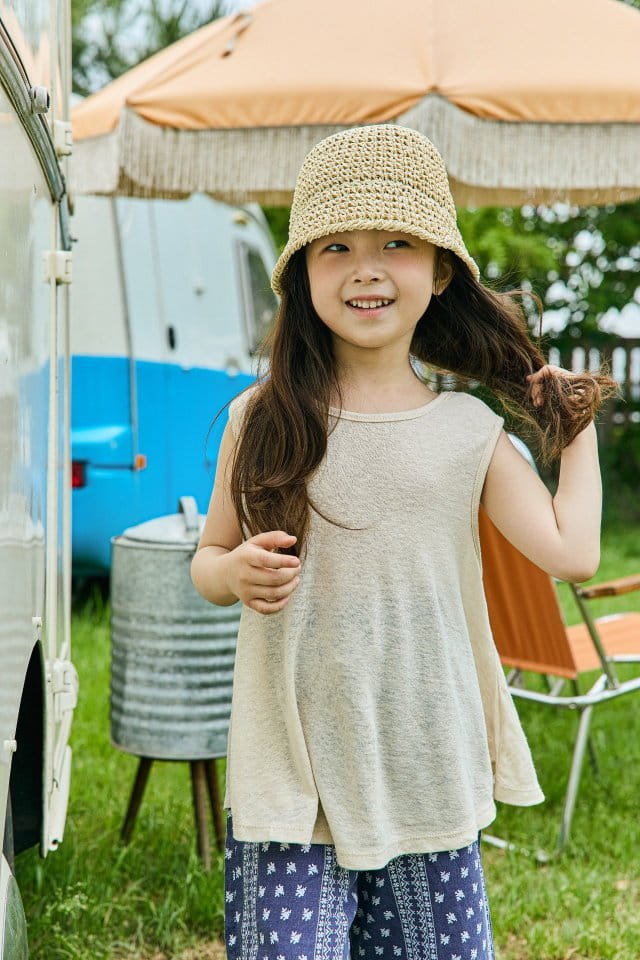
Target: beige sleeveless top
372,711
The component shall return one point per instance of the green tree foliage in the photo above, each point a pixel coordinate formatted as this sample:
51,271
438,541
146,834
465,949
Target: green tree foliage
111,36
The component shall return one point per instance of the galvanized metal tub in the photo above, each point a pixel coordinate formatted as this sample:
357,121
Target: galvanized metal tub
172,652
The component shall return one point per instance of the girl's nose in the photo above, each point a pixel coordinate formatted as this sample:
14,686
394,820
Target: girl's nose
366,273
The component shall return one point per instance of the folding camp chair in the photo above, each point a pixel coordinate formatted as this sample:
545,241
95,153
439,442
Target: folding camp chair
531,636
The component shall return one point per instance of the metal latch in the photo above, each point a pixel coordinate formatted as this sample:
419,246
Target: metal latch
62,137
57,266
64,687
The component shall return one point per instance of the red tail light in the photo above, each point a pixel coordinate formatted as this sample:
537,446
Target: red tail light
78,473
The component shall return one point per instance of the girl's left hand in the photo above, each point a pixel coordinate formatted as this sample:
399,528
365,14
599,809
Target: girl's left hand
536,378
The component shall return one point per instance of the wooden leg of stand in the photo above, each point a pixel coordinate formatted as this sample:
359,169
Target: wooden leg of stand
198,784
135,800
215,801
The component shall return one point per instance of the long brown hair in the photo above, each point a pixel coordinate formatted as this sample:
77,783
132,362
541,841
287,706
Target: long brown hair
469,330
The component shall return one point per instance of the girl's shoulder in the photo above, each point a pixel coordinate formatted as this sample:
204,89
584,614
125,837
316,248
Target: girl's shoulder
473,414
239,404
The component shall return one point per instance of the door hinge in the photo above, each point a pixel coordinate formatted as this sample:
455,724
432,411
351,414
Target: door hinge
57,266
64,687
62,137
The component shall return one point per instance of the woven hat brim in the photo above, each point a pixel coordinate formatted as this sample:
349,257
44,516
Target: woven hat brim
437,226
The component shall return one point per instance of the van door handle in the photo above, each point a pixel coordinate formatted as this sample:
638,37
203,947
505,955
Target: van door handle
171,337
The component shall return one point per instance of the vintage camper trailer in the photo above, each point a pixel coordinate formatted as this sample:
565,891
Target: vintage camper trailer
170,298
38,682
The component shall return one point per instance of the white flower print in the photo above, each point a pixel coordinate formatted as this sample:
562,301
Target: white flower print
384,931
281,956
230,895
456,956
397,951
300,890
369,918
313,868
375,901
236,873
464,936
266,913
433,857
285,913
265,847
261,891
439,897
470,912
474,953
262,940
459,895
295,936
451,918
366,935
302,956
388,914
356,929
279,891
453,854
284,846
470,848
464,872
273,936
444,876
291,867
306,847
379,881
232,939
368,876
444,938
379,950
271,867
478,927
307,914
475,887
227,853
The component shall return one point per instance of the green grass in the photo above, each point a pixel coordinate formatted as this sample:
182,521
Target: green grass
94,898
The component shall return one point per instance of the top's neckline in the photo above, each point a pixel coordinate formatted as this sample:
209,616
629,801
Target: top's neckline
392,414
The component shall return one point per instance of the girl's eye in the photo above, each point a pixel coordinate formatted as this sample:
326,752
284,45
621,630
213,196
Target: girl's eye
390,241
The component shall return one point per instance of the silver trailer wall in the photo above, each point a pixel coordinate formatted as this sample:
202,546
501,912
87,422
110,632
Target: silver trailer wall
37,680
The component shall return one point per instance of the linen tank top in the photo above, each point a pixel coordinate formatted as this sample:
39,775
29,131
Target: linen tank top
372,712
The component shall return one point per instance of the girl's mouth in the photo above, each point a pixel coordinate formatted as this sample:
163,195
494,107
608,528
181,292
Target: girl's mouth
374,307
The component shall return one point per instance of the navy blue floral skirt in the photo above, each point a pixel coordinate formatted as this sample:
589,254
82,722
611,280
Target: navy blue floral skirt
292,901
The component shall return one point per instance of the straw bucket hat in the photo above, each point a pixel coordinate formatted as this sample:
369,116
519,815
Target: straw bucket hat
377,177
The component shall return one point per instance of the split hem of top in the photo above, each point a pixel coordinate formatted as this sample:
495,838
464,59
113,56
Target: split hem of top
371,858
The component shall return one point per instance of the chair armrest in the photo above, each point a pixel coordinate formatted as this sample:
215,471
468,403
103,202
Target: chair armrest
610,588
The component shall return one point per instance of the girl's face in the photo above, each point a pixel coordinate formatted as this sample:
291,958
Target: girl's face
366,265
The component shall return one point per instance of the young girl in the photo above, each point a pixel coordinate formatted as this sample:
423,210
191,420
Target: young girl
372,729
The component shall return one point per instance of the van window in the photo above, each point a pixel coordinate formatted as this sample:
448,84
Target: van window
260,302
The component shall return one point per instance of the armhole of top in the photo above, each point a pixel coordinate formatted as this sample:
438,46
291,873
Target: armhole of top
483,465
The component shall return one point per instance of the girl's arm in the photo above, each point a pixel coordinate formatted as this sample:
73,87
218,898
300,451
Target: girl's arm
560,534
225,568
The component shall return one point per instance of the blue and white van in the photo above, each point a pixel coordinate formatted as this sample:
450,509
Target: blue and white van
170,300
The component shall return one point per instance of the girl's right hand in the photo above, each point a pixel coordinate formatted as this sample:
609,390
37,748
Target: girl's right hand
260,578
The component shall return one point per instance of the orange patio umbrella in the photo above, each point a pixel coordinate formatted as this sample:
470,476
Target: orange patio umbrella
525,101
